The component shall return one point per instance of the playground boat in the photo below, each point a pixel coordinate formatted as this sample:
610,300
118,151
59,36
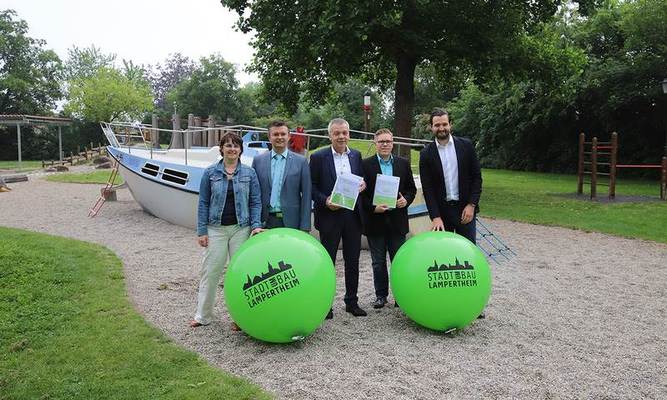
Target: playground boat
165,182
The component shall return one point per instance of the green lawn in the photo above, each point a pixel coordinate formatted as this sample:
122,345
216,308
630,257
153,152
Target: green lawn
26,165
68,331
87,177
547,199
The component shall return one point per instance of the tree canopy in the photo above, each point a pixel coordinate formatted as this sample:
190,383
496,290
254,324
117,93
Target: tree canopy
211,89
306,46
109,95
30,76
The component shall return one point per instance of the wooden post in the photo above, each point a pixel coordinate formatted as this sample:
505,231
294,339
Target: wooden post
86,152
211,133
196,136
18,138
594,167
580,166
612,165
176,141
663,179
60,144
155,135
187,140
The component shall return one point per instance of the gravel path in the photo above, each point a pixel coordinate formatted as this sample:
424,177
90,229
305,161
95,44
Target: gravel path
574,315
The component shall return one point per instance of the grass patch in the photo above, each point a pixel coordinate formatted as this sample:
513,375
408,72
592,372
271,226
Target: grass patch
547,199
26,165
100,177
69,331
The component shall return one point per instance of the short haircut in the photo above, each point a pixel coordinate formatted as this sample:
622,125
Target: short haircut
231,137
437,112
277,123
337,121
383,131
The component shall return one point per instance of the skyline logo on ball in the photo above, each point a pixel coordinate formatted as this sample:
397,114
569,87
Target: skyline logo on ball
270,283
451,275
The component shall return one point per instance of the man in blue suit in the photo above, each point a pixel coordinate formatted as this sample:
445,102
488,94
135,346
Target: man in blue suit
335,223
284,180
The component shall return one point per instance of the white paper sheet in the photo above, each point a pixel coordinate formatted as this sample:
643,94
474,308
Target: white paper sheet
346,190
386,190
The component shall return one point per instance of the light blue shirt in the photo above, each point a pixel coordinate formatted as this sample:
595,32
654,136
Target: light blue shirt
278,162
387,167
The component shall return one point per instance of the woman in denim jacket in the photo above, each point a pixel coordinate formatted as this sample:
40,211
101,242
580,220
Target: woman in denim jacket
228,213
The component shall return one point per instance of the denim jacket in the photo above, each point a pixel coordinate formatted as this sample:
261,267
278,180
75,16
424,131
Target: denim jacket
213,193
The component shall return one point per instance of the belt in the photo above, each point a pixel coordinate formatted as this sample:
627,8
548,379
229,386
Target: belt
278,214
452,202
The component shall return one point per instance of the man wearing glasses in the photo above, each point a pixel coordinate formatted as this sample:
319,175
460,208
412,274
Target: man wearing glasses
385,226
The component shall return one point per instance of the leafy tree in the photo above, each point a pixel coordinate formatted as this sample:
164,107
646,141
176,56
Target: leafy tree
135,73
211,89
528,121
164,77
84,63
108,95
30,76
308,45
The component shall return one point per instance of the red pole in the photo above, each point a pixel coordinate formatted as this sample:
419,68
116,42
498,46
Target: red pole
612,166
594,167
580,166
663,180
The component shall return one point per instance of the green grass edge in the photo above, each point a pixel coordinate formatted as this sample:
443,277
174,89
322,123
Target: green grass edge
69,331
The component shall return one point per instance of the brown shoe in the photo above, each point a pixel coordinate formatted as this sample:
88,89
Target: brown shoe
195,324
235,327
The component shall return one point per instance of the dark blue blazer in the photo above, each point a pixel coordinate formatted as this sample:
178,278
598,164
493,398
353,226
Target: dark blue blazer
433,180
323,176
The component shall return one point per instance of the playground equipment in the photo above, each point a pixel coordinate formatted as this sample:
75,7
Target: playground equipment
589,163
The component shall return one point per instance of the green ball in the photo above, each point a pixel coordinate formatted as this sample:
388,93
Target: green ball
440,280
280,285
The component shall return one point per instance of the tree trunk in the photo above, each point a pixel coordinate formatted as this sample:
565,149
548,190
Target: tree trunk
404,99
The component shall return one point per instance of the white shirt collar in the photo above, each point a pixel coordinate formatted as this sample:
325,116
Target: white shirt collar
450,142
347,151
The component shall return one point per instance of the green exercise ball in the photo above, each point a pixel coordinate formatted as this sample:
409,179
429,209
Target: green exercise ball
440,280
280,285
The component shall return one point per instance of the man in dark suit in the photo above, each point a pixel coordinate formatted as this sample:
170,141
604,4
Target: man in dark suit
385,227
284,180
451,179
335,223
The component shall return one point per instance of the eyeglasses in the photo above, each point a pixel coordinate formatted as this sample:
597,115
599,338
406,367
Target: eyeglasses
385,142
231,146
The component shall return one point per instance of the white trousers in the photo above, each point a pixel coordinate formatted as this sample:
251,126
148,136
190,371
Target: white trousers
222,241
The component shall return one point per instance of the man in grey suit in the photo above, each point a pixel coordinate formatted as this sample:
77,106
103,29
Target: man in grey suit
284,179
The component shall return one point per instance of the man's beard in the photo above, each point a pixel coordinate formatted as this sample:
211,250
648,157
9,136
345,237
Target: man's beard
442,135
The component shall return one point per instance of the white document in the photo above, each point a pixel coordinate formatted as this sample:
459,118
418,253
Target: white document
386,190
346,190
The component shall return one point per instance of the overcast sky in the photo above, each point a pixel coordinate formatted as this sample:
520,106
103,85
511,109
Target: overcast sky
144,31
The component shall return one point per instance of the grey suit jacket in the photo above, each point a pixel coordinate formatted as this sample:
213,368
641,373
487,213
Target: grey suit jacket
295,196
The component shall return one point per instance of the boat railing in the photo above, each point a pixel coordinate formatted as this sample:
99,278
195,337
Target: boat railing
141,136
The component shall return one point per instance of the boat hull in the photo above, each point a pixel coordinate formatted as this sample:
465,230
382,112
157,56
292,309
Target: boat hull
177,204
172,205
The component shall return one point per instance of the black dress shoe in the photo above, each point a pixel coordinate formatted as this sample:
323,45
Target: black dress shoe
379,302
482,315
396,304
330,314
355,310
